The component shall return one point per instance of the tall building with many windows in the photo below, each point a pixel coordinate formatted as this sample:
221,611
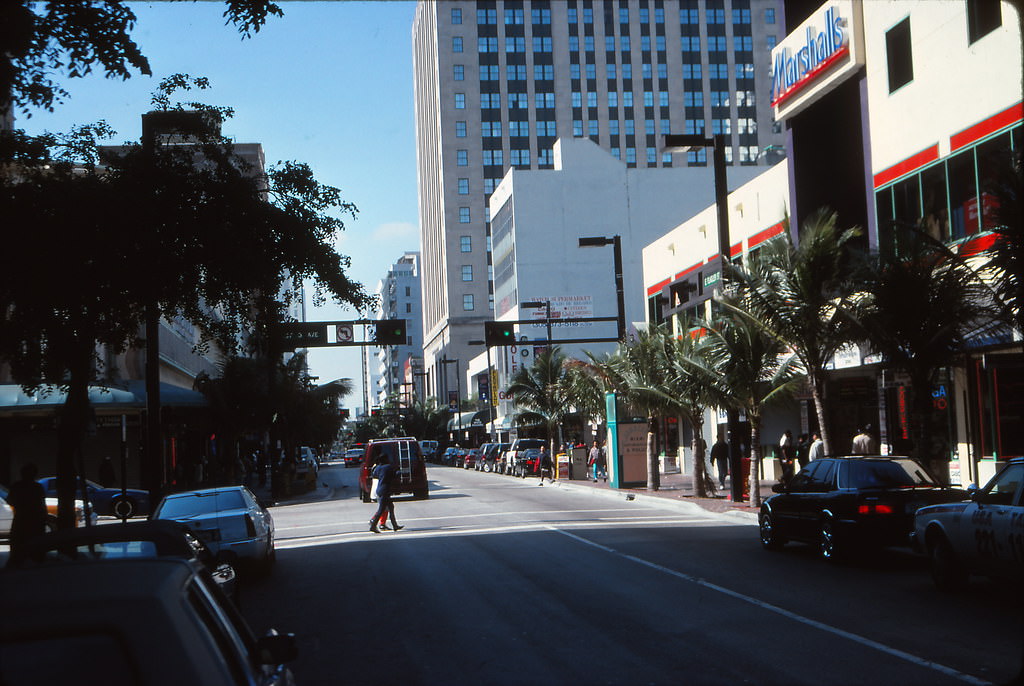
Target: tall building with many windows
498,81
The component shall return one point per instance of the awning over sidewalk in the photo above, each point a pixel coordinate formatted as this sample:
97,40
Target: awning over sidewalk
469,420
104,399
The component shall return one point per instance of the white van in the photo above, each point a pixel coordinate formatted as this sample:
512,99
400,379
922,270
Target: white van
429,450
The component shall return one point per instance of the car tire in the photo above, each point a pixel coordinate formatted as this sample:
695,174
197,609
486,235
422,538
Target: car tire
770,539
947,572
123,507
830,547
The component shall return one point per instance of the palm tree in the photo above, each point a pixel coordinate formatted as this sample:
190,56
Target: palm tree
540,390
918,310
752,366
796,293
1006,264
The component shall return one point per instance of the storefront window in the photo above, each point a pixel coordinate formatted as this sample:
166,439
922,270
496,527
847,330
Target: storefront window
907,208
993,167
935,202
963,195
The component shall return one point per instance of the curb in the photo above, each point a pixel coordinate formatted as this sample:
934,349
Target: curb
686,506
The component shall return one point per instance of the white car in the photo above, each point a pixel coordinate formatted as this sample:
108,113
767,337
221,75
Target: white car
984,535
7,514
232,523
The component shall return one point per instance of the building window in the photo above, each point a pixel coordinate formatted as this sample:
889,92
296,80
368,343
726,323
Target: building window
493,158
460,101
519,128
630,155
542,43
408,308
541,16
572,15
652,157
627,71
490,101
463,186
513,16
460,129
520,158
459,72
630,127
487,44
456,15
467,302
627,99
613,99
577,128
742,45
898,55
624,41
593,127
546,128
462,158
490,72
467,272
544,100
769,15
464,215
543,72
466,243
490,129
456,43
592,99
515,43
588,15
515,72
487,16
983,17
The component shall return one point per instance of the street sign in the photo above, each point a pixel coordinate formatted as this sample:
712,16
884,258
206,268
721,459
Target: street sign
343,333
302,334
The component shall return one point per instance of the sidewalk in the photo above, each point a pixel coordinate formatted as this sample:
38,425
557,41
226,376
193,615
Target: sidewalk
677,488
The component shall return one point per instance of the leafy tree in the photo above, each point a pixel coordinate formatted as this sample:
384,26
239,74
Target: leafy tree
70,37
796,294
752,366
918,310
1006,262
213,243
539,390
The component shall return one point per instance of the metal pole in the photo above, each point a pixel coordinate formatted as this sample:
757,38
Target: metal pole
547,321
154,459
490,398
458,400
619,296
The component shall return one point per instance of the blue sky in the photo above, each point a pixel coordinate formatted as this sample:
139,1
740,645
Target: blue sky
329,84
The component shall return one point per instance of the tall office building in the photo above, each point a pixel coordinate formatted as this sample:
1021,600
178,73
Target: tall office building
498,81
399,297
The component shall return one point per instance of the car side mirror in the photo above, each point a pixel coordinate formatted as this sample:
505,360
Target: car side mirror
276,649
779,488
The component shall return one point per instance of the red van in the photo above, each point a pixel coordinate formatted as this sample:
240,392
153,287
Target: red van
405,456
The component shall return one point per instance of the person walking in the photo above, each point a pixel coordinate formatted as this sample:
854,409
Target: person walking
803,446
383,472
544,465
817,449
787,455
720,458
592,459
863,444
602,463
28,500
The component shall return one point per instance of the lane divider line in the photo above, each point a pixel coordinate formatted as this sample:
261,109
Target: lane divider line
856,638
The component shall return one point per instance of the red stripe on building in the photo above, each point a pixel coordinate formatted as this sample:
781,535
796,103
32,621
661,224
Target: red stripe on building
906,166
687,271
656,288
761,236
976,245
1008,117
810,76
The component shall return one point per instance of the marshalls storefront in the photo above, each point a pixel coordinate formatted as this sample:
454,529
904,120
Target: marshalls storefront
898,112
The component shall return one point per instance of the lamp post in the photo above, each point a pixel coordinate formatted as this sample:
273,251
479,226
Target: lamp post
458,386
684,143
546,304
616,243
490,391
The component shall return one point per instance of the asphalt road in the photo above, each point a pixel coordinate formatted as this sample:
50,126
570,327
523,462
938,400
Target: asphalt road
498,581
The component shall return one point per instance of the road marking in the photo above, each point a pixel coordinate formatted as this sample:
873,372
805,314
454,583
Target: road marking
894,652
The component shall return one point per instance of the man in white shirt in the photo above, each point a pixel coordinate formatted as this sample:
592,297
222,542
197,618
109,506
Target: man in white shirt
817,449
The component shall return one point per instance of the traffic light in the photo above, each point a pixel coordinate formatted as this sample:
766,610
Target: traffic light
390,332
499,333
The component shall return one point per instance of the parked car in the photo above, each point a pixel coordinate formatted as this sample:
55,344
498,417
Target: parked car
139,539
485,462
160,622
982,535
429,450
451,455
354,457
839,503
228,519
107,502
515,460
6,515
471,458
405,457
307,462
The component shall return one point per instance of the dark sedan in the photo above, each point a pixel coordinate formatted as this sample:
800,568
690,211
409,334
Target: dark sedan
838,503
107,501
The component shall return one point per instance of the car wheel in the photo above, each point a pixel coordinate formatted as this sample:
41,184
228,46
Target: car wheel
829,546
770,539
947,572
123,507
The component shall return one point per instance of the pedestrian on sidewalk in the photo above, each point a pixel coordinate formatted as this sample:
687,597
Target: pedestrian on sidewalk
787,455
592,458
863,443
383,472
817,449
803,447
544,465
28,500
720,458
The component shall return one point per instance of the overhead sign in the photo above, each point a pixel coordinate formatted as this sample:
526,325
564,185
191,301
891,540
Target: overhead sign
825,50
303,334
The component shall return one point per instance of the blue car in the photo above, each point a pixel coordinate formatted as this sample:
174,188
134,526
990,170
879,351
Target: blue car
106,501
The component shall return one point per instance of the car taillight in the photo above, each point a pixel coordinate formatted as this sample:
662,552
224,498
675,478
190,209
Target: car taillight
875,508
250,526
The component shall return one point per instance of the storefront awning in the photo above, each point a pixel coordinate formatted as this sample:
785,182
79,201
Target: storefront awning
469,420
104,399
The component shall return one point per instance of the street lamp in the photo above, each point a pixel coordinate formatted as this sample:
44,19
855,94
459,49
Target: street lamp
490,390
458,386
685,143
546,304
616,243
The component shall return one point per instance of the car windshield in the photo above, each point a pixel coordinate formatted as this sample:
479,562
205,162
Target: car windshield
195,504
530,443
888,474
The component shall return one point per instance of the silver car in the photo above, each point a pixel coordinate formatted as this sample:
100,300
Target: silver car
984,535
232,523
